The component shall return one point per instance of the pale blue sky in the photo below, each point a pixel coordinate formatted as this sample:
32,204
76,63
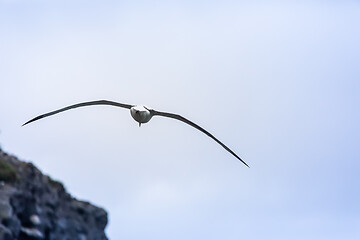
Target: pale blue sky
277,81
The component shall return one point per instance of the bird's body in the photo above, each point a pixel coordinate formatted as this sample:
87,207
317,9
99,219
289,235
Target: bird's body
141,114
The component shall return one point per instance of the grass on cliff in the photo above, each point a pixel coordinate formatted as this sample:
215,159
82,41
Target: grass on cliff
7,172
55,183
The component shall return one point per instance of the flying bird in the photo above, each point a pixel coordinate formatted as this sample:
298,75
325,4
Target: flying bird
141,114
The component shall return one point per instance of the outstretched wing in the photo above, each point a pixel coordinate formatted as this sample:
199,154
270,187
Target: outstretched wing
178,117
99,102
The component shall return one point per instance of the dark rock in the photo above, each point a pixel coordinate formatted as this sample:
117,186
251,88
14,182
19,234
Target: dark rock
13,224
31,233
5,233
35,207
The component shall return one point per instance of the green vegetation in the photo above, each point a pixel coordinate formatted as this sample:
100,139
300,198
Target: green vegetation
55,184
7,172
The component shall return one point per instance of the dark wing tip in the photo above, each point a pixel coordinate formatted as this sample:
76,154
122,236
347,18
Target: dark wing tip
98,102
241,160
181,118
32,120
26,123
245,164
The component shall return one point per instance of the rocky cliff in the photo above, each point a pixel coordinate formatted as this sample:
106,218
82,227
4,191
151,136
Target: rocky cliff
35,207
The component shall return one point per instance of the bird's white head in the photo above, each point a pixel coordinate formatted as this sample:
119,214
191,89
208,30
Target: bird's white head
141,114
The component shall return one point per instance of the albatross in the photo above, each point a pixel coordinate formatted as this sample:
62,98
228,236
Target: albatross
141,114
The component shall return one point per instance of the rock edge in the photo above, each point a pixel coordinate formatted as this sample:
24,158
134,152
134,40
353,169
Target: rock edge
33,206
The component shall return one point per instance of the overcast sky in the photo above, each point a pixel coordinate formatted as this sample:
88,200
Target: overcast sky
277,81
